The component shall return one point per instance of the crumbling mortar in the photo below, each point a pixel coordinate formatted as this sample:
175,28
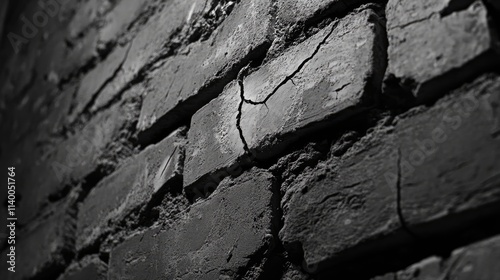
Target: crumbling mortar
180,38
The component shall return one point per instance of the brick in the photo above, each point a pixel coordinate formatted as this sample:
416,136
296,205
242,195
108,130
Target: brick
75,158
54,55
150,42
44,247
97,79
57,112
3,12
120,18
431,51
405,13
295,11
156,33
209,65
476,261
218,237
343,203
130,187
83,53
87,13
346,52
447,190
88,268
440,177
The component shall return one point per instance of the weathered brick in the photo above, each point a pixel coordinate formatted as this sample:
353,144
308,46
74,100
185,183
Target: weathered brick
75,158
130,187
450,164
291,12
431,51
150,42
57,112
242,34
419,163
477,261
87,13
404,13
120,18
99,77
219,236
83,52
331,75
343,203
44,247
88,268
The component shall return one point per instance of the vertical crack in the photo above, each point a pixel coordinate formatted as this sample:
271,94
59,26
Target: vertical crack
399,208
243,72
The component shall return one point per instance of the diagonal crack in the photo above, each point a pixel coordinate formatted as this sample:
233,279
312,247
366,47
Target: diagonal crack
290,77
108,80
244,71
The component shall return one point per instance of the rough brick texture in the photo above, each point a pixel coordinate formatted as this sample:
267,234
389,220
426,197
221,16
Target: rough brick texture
288,94
423,62
219,237
88,268
476,261
207,64
250,139
398,177
130,187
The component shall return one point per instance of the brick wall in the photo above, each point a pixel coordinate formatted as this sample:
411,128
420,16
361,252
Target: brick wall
252,139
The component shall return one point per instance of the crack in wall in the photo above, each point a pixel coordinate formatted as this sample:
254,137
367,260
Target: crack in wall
294,73
241,74
91,103
452,7
399,207
244,72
